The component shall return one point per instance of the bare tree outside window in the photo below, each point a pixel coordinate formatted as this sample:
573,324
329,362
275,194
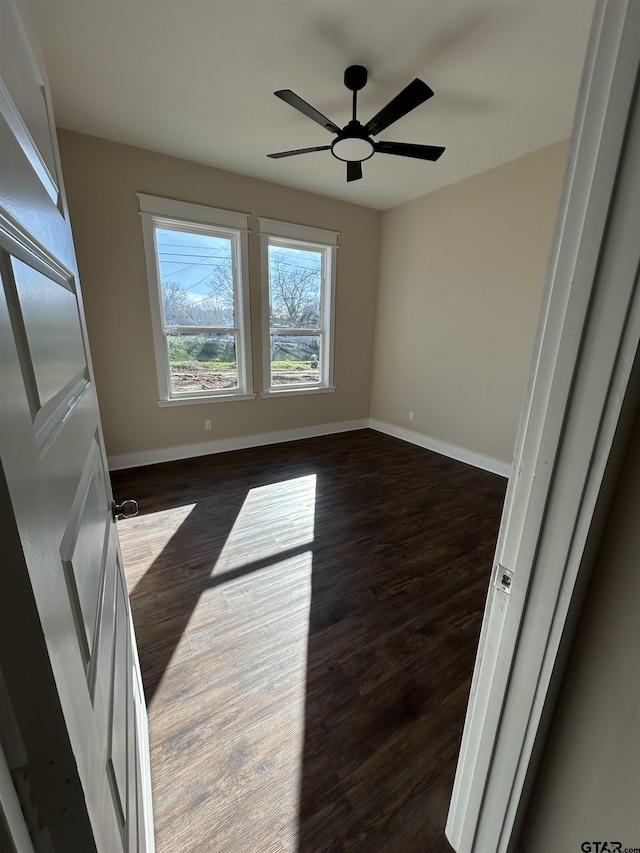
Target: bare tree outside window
295,287
198,292
295,300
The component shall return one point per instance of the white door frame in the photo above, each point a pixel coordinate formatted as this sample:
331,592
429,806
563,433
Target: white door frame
578,404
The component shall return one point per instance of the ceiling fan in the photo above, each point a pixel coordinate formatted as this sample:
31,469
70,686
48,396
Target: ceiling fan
353,143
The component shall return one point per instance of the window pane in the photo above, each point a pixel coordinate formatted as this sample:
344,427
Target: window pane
196,276
295,277
202,362
295,359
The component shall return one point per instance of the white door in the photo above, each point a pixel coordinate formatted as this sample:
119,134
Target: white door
55,476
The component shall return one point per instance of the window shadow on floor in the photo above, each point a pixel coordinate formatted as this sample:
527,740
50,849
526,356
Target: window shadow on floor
348,654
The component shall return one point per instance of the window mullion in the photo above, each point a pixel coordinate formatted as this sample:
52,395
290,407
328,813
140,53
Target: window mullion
288,331
200,330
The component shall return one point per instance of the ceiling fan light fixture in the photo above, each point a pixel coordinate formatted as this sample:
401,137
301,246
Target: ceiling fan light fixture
352,149
353,143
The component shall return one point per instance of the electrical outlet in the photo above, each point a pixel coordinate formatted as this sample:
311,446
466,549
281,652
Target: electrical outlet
207,424
411,416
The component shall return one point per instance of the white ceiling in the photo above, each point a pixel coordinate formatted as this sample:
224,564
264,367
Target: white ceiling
194,78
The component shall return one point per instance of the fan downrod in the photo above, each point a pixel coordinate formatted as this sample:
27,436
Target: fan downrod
355,77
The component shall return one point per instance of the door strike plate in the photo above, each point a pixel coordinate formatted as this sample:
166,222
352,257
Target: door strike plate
504,579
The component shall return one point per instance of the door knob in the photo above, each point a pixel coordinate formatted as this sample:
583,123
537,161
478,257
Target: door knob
127,509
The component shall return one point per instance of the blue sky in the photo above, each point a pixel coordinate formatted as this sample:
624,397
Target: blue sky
190,259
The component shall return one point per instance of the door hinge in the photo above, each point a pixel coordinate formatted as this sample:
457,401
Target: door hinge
504,579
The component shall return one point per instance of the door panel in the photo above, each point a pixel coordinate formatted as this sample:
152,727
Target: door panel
54,463
82,559
52,329
23,95
119,718
53,385
32,202
138,837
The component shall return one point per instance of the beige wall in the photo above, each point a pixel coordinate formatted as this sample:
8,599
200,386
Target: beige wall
589,786
461,276
458,293
102,179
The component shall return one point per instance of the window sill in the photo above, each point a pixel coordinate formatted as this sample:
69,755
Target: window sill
294,392
194,401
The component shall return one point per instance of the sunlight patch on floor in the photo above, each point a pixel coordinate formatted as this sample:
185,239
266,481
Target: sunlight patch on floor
239,667
156,528
259,712
262,647
274,519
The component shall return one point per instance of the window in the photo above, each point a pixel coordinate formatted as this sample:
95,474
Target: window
196,264
298,269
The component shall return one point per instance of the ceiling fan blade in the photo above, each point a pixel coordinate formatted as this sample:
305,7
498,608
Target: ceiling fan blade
412,96
299,151
408,149
354,170
306,109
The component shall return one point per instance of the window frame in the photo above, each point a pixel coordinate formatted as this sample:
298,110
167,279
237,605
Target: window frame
275,233
156,212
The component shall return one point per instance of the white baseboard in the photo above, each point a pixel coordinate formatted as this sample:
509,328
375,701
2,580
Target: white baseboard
495,466
221,445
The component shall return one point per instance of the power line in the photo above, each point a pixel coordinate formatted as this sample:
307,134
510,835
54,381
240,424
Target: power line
298,266
190,255
197,263
192,245
212,269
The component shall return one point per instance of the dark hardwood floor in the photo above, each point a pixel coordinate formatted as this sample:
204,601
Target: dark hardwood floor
307,616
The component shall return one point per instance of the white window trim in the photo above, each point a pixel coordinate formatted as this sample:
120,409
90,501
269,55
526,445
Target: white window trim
314,238
164,212
298,390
